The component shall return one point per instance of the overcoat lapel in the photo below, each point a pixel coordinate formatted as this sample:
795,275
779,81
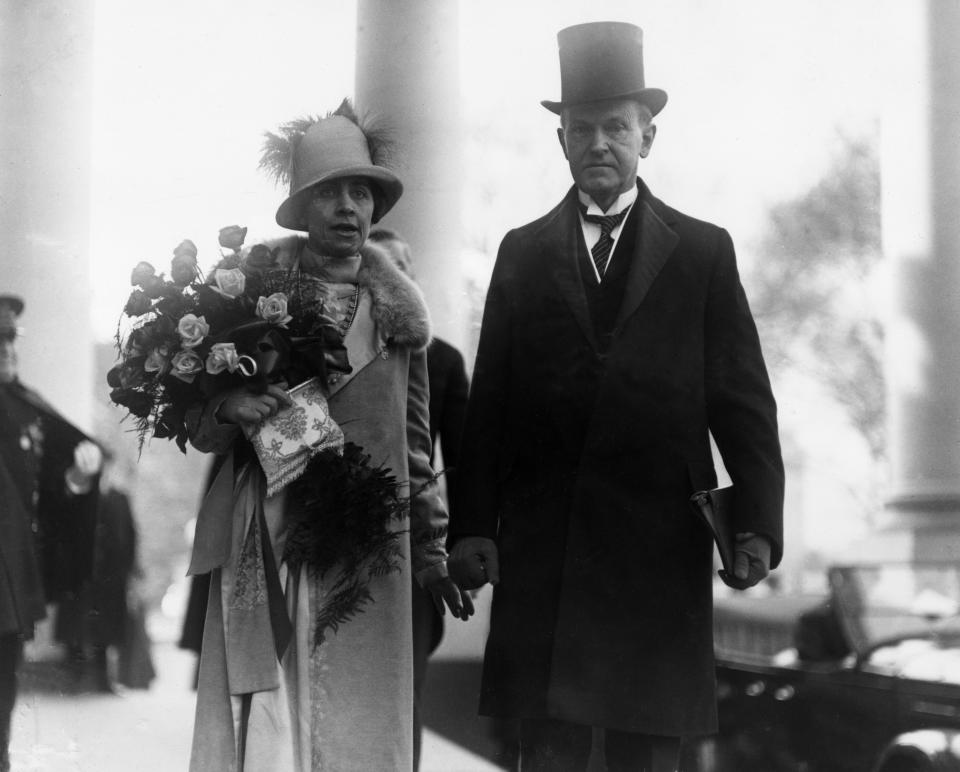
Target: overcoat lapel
559,245
654,246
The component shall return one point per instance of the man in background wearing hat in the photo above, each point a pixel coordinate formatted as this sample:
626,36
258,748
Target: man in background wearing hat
615,335
48,500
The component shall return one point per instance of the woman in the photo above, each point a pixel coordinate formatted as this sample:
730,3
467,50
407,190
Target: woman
272,693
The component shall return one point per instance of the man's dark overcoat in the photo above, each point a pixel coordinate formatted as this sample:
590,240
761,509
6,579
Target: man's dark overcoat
46,533
580,455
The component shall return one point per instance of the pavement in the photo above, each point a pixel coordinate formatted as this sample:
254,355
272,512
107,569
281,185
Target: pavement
150,730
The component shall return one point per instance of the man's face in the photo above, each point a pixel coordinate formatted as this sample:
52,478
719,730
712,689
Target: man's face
8,354
338,216
603,142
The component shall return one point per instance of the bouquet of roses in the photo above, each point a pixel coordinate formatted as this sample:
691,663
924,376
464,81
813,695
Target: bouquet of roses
194,336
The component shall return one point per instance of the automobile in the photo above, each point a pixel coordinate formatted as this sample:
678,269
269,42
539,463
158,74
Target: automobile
871,682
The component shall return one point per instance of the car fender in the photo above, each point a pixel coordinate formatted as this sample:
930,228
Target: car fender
923,750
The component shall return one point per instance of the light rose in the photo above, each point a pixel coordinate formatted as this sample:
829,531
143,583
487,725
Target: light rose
193,329
222,356
156,361
274,309
185,365
230,282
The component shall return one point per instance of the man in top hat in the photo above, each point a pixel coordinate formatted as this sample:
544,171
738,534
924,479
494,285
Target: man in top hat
616,336
48,495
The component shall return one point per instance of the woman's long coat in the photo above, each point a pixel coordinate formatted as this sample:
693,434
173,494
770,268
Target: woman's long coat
580,463
360,680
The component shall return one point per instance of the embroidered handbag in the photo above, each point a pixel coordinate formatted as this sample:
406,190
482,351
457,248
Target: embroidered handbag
286,442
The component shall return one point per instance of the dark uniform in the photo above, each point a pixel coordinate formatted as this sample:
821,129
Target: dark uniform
46,531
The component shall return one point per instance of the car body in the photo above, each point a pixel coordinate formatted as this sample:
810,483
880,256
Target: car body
871,684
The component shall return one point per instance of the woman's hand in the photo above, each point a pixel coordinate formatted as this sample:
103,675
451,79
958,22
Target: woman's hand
242,406
445,590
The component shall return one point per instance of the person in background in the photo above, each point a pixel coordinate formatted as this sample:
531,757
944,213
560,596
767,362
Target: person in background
48,499
447,374
616,338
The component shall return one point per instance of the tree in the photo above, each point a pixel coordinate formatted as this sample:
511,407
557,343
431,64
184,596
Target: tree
811,288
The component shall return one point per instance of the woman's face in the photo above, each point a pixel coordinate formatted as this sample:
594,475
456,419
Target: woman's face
338,216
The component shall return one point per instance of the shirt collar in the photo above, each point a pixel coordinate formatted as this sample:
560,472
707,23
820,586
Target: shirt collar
623,202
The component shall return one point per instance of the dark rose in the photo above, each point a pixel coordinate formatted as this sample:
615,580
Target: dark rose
173,305
141,273
232,237
183,269
113,377
260,258
137,304
153,287
138,403
186,248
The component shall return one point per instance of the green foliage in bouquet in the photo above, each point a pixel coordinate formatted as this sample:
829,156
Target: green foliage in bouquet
343,514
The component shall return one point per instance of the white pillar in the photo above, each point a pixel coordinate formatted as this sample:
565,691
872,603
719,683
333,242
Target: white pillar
45,131
921,234
408,73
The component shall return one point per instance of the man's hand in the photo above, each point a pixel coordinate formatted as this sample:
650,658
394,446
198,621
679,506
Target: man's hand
87,463
445,590
751,561
243,406
474,561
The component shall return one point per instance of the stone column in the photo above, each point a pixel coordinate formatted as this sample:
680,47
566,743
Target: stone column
408,75
921,233
45,141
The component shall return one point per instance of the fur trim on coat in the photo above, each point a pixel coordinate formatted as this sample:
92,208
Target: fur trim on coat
399,308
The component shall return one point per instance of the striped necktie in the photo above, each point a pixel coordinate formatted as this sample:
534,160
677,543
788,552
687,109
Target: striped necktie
601,250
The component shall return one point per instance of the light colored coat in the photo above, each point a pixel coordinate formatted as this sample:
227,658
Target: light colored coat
358,692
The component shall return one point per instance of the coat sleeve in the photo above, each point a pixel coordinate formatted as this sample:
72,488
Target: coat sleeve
477,495
207,434
428,517
742,412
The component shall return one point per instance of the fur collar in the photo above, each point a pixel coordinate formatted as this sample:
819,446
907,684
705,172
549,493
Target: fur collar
399,308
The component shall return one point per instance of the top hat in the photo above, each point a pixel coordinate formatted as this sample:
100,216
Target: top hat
329,149
603,60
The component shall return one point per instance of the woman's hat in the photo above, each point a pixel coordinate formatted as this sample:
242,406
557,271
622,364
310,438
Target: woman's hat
603,60
316,151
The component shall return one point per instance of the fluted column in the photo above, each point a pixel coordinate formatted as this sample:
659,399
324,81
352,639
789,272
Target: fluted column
921,233
408,74
45,131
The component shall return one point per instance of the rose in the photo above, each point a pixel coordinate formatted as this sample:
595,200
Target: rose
157,360
274,309
222,356
259,258
137,304
185,365
232,237
141,273
192,329
230,282
138,403
183,267
186,248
